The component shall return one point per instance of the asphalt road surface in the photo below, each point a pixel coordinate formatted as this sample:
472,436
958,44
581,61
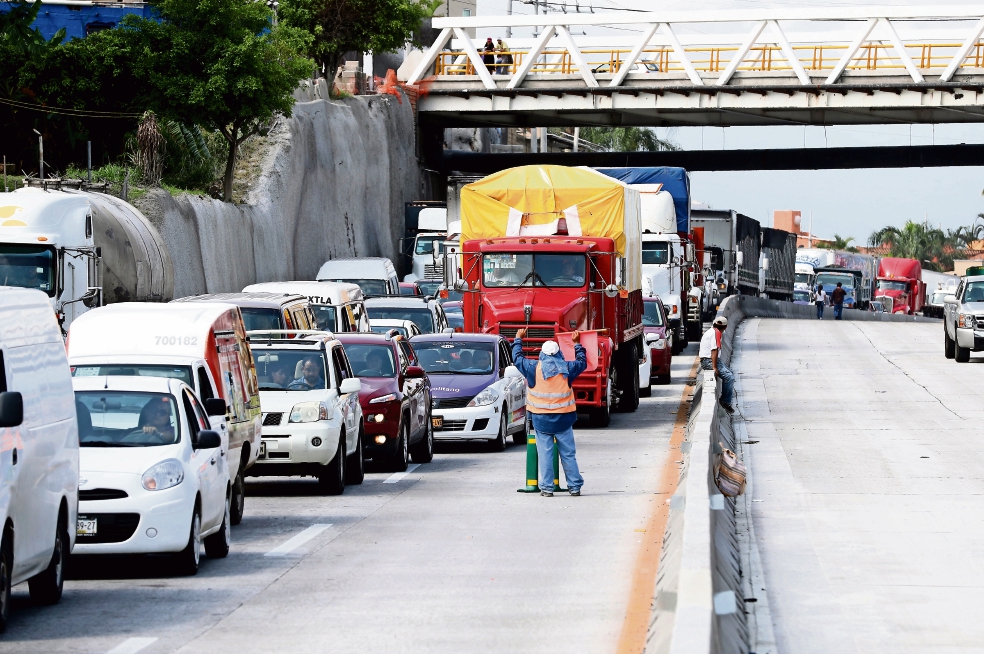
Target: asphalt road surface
445,558
866,452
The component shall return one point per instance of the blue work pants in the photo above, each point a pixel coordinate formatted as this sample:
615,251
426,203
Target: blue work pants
727,378
566,450
838,311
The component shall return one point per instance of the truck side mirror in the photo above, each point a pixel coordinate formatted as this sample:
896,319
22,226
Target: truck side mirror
739,258
215,406
950,299
11,409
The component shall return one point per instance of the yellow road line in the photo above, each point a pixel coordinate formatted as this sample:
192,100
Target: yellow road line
632,640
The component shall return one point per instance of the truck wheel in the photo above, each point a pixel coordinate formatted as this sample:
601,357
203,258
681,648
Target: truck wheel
46,587
663,379
238,497
961,354
602,416
331,479
629,400
355,467
948,345
693,330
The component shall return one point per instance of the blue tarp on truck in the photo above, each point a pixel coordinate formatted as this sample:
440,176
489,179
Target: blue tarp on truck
675,181
82,20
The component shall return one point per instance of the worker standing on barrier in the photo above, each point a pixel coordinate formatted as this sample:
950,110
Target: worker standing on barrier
837,297
550,401
710,348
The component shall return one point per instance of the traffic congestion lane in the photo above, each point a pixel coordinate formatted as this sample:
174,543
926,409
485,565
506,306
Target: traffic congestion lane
445,557
864,454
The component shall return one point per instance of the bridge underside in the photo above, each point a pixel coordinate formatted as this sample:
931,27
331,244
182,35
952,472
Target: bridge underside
670,103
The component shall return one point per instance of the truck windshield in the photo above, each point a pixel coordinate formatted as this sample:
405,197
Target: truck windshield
289,370
324,314
803,278
455,357
371,360
423,318
512,270
135,370
657,253
889,285
801,296
261,319
829,282
126,419
426,244
28,266
974,292
651,316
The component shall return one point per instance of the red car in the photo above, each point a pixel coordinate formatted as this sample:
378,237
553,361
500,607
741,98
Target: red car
410,288
395,398
659,338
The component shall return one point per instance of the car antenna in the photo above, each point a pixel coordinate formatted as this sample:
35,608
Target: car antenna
106,382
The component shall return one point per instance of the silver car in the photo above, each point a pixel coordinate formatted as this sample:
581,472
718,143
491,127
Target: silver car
963,319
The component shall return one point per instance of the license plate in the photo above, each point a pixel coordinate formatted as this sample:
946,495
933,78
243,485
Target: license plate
437,422
86,527
262,449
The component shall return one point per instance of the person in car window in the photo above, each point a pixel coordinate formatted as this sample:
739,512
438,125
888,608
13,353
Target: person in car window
482,361
504,277
280,375
567,274
310,376
375,365
155,419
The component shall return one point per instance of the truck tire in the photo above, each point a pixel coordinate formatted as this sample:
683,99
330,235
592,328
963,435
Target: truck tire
602,416
628,378
949,349
961,354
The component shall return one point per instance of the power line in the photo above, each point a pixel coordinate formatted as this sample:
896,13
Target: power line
78,113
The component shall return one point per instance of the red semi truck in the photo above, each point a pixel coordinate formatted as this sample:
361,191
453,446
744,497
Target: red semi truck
900,281
553,250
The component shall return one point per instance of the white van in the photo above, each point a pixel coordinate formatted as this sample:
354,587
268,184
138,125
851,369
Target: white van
203,344
39,449
337,307
374,275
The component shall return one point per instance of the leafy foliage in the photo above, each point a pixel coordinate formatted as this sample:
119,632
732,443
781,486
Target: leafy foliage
627,139
929,245
839,243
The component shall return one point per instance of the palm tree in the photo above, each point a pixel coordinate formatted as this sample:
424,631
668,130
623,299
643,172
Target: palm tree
839,243
627,139
920,241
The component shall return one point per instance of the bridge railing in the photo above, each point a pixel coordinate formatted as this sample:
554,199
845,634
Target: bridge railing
825,41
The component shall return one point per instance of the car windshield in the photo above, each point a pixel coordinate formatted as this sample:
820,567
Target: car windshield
651,316
261,319
368,286
658,253
422,317
938,297
803,278
291,370
511,270
455,357
126,419
801,296
135,370
371,360
429,287
974,292
456,321
385,329
28,266
325,316
889,285
829,282
426,244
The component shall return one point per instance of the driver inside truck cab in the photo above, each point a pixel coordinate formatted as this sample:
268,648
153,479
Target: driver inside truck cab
568,272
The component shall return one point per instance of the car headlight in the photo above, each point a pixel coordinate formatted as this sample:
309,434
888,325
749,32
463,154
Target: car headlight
166,474
659,344
967,321
309,412
383,398
488,396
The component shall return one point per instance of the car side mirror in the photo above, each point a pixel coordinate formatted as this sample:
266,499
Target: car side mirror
208,440
512,371
415,372
950,299
350,385
11,409
215,406
652,338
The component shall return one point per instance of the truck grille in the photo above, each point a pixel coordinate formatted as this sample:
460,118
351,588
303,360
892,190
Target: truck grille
542,332
272,419
980,322
433,272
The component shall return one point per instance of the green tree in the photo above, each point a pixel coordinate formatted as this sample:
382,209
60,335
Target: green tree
920,241
839,243
627,139
340,26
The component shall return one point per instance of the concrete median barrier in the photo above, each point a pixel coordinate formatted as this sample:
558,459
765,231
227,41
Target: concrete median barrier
699,604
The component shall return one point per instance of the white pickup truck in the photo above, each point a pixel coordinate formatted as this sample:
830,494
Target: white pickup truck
963,319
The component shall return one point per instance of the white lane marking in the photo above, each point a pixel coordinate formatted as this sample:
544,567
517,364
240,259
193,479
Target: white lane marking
131,646
397,476
297,541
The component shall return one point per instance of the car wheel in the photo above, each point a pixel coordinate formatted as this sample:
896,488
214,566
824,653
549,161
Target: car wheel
949,351
355,467
423,452
401,459
499,444
961,354
46,587
238,502
217,545
6,567
189,558
332,476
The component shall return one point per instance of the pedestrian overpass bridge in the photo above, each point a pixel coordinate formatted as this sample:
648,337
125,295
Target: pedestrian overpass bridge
812,66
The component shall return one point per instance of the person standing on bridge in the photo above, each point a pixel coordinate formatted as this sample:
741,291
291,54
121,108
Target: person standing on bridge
550,401
489,55
710,348
837,297
820,298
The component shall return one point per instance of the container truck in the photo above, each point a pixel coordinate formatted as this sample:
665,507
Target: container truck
900,280
719,252
778,263
748,243
670,265
82,249
553,250
852,269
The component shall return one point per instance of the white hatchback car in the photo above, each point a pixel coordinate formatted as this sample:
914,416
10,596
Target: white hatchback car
312,419
153,475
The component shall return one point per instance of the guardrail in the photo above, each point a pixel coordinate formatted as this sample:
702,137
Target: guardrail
814,40
699,605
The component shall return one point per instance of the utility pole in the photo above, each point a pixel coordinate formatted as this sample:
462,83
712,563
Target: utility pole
40,156
509,13
577,137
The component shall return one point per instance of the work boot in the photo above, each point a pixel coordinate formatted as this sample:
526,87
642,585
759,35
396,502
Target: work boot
546,493
576,493
727,407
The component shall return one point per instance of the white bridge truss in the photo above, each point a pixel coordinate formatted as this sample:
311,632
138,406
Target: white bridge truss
843,65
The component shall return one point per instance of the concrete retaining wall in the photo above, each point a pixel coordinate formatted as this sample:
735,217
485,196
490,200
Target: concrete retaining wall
333,185
699,605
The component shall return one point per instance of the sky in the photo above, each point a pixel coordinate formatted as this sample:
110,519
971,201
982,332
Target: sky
845,202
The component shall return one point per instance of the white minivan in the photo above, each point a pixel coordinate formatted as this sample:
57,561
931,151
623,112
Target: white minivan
374,275
39,449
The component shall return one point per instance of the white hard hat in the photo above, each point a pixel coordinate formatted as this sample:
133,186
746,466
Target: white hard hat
551,348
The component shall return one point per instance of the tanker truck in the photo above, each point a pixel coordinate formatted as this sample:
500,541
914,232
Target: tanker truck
82,249
553,250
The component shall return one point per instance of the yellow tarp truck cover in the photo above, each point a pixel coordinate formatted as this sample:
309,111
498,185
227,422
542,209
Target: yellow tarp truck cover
532,200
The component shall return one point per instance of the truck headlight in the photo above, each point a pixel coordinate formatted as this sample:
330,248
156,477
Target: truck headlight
967,321
309,412
488,396
166,474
